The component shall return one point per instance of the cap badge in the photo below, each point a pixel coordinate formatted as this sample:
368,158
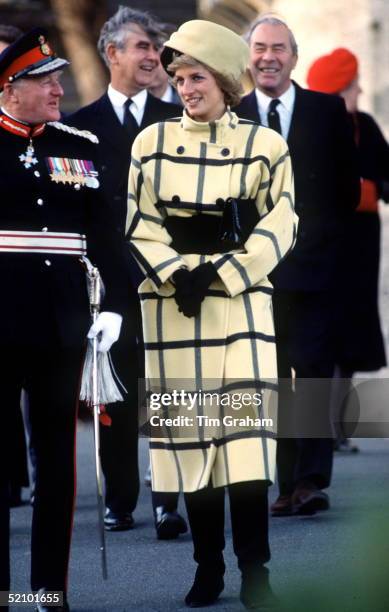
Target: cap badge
45,47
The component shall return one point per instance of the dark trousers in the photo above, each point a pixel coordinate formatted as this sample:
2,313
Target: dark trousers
51,377
304,324
119,441
249,520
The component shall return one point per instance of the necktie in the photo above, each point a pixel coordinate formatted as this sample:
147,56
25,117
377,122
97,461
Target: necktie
129,121
273,117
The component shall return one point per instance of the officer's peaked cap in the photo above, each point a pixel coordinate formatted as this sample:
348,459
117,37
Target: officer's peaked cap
29,55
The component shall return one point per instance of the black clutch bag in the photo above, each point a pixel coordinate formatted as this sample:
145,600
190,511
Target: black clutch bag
207,234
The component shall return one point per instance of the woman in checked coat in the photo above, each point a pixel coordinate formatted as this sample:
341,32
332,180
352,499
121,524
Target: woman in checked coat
210,214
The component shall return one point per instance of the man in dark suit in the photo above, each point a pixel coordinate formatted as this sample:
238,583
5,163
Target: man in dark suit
323,156
129,44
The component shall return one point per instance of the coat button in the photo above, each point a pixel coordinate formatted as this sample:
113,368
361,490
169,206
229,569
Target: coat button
220,202
39,201
37,173
104,168
176,199
225,152
180,150
44,229
77,186
47,262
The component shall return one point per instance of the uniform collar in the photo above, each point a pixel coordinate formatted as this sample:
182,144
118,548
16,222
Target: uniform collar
18,127
228,120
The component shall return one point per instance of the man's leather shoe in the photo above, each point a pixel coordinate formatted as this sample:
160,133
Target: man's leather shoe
169,525
206,588
256,592
118,521
308,499
282,506
44,607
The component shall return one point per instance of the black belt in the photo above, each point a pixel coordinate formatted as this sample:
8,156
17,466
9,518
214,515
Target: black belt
207,234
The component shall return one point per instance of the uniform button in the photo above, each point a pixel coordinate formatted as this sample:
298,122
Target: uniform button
77,186
220,202
44,229
37,173
104,168
47,262
180,150
176,199
225,152
39,201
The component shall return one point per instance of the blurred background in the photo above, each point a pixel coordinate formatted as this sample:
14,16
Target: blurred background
319,27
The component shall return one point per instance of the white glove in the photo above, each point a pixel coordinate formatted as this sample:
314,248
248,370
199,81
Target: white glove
108,325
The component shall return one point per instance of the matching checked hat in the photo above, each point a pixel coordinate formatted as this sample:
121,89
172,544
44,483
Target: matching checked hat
29,56
211,44
334,72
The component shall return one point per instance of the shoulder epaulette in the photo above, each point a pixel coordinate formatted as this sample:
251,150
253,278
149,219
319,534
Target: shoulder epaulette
72,130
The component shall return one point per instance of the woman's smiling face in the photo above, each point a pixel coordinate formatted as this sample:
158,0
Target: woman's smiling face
200,94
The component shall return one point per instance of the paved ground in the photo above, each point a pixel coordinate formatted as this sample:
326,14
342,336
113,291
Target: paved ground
337,561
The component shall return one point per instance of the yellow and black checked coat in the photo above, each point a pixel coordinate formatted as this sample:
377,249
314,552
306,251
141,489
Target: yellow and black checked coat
181,167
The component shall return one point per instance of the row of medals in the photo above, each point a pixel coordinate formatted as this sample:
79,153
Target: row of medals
89,179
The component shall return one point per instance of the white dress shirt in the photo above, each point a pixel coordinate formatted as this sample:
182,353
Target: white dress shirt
285,108
137,108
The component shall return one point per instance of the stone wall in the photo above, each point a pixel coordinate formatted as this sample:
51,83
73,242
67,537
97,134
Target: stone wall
360,25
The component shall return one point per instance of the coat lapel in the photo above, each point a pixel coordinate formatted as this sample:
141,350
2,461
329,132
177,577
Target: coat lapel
298,120
110,127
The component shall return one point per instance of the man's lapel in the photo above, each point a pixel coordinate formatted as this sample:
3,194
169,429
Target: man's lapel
110,127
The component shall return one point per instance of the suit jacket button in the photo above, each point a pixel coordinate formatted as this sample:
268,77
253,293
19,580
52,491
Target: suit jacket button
180,150
225,152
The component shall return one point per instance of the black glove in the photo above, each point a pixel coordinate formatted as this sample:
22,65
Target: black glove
191,287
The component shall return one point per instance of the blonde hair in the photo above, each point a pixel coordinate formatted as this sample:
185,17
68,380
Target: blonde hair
232,88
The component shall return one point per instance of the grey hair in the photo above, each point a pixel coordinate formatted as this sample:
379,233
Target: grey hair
116,29
272,20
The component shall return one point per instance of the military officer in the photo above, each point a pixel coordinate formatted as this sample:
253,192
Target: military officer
52,215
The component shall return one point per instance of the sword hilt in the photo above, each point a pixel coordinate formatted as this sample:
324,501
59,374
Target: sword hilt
95,290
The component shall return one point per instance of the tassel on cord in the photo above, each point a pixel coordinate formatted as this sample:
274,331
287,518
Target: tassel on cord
108,390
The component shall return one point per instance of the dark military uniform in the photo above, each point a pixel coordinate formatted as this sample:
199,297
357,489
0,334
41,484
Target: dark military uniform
44,316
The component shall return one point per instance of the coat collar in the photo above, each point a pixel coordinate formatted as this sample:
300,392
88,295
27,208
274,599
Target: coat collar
212,130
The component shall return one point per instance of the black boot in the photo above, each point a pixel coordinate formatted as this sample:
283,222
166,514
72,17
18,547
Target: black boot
207,586
256,592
